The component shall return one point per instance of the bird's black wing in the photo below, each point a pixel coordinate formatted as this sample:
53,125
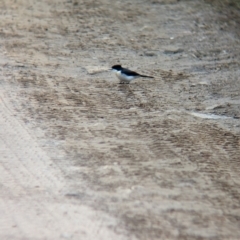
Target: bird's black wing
129,72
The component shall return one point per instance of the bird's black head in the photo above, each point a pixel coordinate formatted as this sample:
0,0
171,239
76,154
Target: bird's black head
117,67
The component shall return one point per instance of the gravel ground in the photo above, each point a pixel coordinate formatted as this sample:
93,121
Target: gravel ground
84,157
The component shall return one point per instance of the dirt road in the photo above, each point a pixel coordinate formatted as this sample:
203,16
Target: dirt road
83,157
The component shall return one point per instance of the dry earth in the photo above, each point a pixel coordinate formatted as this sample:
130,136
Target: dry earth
83,157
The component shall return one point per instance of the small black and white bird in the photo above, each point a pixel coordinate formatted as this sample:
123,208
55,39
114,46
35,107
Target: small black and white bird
125,75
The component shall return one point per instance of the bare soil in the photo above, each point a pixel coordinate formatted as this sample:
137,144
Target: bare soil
83,157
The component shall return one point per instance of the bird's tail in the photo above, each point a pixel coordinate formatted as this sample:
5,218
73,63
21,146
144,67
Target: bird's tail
146,76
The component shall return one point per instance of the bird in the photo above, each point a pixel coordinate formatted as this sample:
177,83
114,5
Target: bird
125,75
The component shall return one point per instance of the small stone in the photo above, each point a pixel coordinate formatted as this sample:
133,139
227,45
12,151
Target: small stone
150,54
173,51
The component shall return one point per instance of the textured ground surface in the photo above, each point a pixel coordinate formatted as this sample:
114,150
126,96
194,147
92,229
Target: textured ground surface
82,157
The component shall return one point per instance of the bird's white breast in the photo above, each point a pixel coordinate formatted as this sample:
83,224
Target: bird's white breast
124,77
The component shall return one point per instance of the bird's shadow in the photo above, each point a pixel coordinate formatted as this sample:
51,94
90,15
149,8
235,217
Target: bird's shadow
126,89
